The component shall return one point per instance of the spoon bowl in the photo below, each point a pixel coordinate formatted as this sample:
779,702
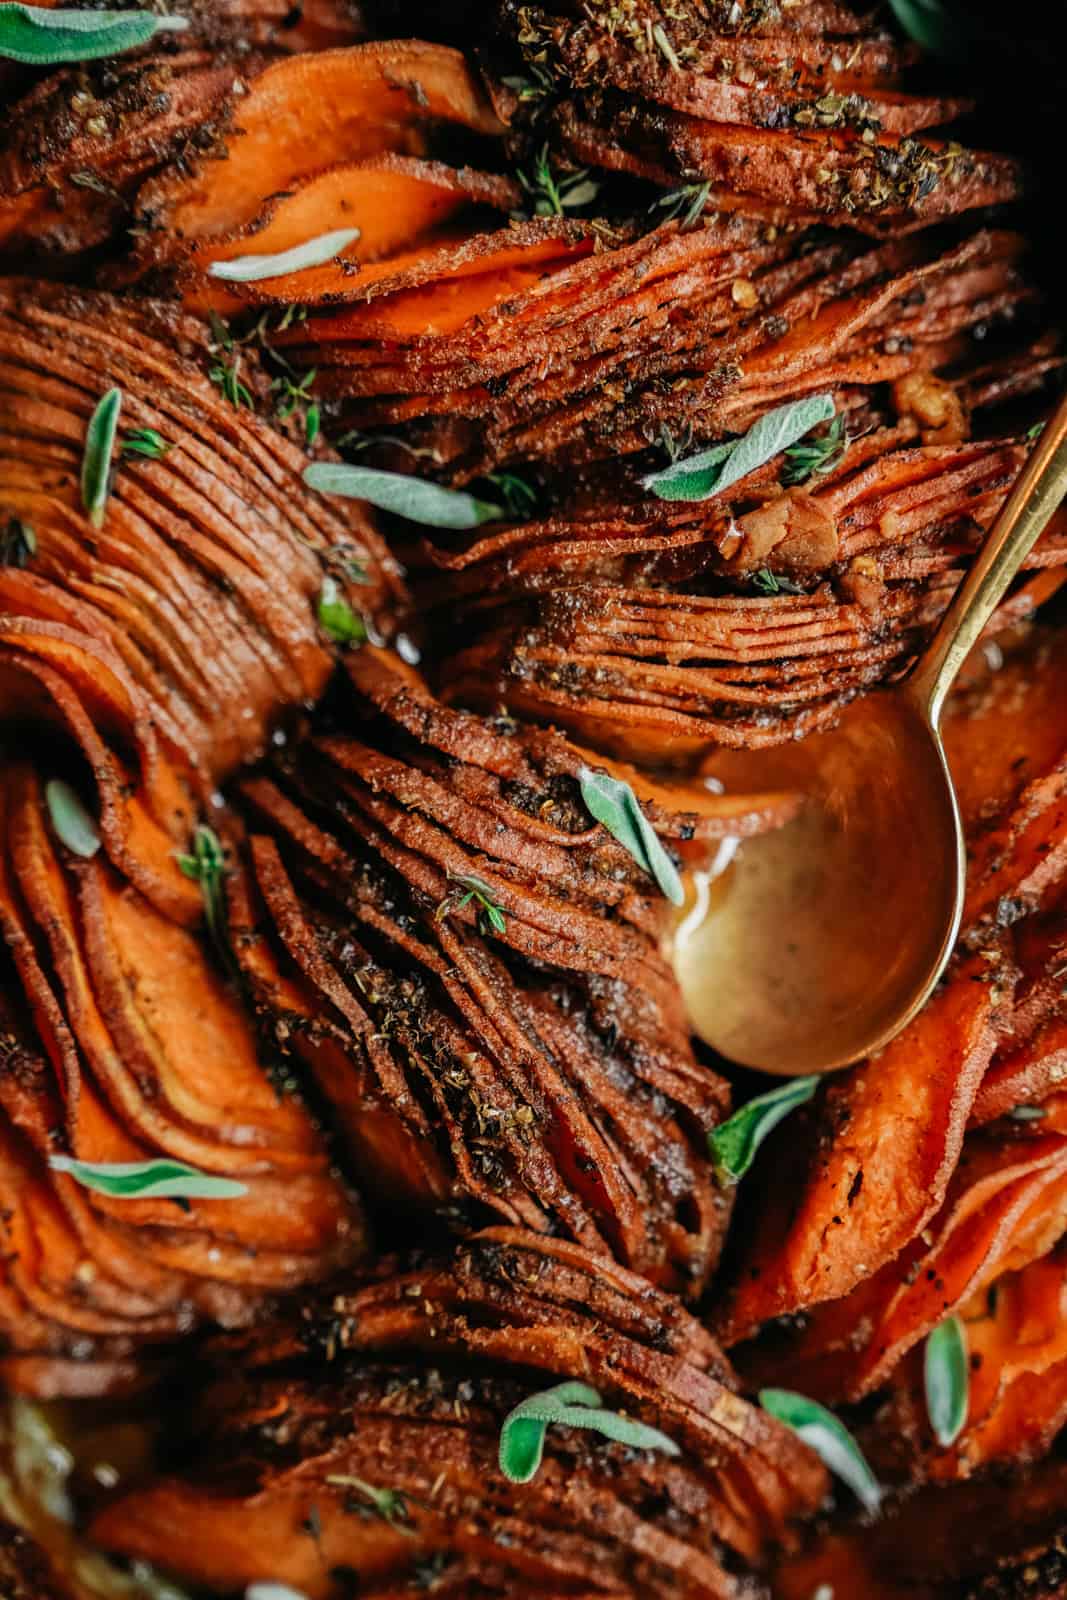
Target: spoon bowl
817,944
823,939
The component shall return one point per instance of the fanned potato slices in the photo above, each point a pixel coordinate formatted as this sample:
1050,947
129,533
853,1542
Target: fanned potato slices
469,967
422,1367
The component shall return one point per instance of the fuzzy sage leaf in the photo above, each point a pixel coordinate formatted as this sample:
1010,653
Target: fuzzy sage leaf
96,460
312,253
711,471
928,23
72,823
614,804
413,498
828,1437
733,1146
39,37
946,1379
576,1405
148,1180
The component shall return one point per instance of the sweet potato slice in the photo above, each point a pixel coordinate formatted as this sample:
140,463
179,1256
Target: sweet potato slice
400,206
307,113
867,1196
507,1304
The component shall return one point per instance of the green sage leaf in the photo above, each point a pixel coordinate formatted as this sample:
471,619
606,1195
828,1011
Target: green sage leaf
336,617
946,1379
733,1146
148,1180
408,497
711,471
39,37
576,1405
615,805
253,269
72,823
928,23
96,460
829,1438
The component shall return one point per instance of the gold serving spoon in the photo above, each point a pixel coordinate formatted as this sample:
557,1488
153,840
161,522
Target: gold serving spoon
817,944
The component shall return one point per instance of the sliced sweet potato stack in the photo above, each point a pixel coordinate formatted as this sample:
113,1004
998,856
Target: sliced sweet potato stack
511,1313
397,205
147,1055
302,116
468,966
205,574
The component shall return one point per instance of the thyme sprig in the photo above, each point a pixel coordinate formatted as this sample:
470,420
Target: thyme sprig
491,918
686,203
145,442
554,193
815,455
227,376
767,582
291,395
390,1505
205,863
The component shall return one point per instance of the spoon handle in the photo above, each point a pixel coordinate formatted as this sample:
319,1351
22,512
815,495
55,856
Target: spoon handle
1038,491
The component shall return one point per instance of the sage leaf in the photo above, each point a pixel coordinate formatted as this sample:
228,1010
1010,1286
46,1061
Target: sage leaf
336,617
522,1437
615,805
711,471
733,1146
96,460
946,1379
928,23
829,1438
72,823
39,37
405,496
312,253
272,1591
148,1180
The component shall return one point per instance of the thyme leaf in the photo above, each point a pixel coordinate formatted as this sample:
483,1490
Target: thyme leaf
336,618
733,1145
227,375
389,1504
145,442
687,203
40,37
491,914
554,194
615,805
148,1180
312,253
946,1380
71,821
767,582
574,1405
413,498
829,1438
711,471
205,863
814,456
520,497
96,458
928,23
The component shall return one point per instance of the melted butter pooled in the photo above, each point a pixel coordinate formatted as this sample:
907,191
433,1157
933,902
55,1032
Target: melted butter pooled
799,949
735,921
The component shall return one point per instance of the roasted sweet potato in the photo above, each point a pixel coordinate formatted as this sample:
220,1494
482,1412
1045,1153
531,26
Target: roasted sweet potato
509,1314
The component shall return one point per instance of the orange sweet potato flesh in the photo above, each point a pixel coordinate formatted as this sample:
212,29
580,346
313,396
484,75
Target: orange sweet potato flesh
309,112
395,201
868,1193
